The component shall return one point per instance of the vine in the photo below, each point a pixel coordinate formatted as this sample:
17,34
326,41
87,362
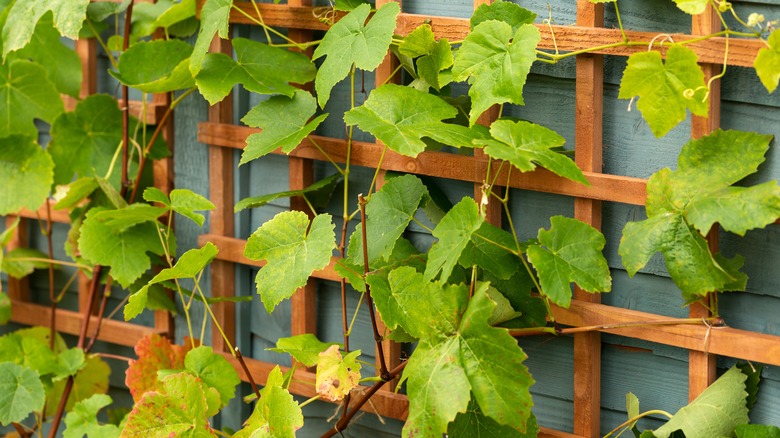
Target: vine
463,300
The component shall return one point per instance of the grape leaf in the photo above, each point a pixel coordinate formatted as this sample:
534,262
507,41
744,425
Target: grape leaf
325,186
508,12
27,94
148,17
304,348
14,264
124,251
84,141
276,413
259,67
29,352
46,48
454,232
496,61
693,7
26,171
473,423
489,248
337,376
189,265
716,412
91,379
82,420
388,213
157,66
683,205
154,353
21,392
69,15
353,41
214,370
665,90
285,123
474,356
214,18
401,116
177,408
5,308
767,63
757,431
569,252
126,217
294,249
432,56
526,144
347,5
182,201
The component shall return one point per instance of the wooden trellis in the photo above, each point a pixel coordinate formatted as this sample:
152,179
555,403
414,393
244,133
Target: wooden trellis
703,342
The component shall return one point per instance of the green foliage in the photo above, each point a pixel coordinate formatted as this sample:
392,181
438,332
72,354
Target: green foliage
82,420
433,57
489,248
293,248
353,41
90,380
505,11
693,7
183,201
24,15
757,431
276,413
175,17
26,171
285,123
214,371
21,392
347,5
5,308
156,66
569,252
15,265
454,233
495,58
401,116
336,375
665,90
214,18
473,423
259,67
682,205
304,348
767,63
28,94
322,188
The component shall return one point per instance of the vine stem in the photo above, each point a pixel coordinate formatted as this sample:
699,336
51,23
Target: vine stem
642,415
101,311
52,297
710,322
237,354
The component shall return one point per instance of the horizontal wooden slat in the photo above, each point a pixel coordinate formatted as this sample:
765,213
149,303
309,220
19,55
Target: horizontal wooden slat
57,216
154,110
723,341
742,52
603,187
552,433
115,332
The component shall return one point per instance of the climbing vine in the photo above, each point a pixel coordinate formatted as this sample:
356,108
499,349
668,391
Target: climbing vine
460,300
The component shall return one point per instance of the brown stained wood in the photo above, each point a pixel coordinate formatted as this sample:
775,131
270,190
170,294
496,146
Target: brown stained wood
552,433
627,190
742,52
57,216
87,52
724,341
18,289
115,332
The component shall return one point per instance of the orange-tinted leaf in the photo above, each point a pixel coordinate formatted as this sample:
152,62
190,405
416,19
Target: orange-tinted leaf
155,353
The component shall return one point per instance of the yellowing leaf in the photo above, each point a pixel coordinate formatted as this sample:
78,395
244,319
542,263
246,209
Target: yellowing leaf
276,413
767,63
337,376
154,353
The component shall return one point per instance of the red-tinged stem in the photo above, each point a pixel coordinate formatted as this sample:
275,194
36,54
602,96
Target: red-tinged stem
101,312
240,358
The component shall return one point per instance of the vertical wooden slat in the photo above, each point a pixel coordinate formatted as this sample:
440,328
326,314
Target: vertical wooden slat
588,156
221,194
18,289
701,365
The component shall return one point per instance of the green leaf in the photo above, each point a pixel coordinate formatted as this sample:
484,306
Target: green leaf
352,273
76,192
68,15
352,41
27,94
29,352
112,194
70,362
84,141
214,370
157,66
125,252
569,252
91,380
294,249
5,308
683,205
454,233
337,376
177,409
632,409
347,5
693,7
526,144
26,171
433,56
753,373
325,185
14,264
716,412
767,63
489,249
496,60
276,413
155,353
665,90
473,423
285,123
189,265
187,203
505,11
124,218
99,11
82,420
46,48
166,14
21,393
401,116
303,348
214,18
261,68
388,213
757,431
